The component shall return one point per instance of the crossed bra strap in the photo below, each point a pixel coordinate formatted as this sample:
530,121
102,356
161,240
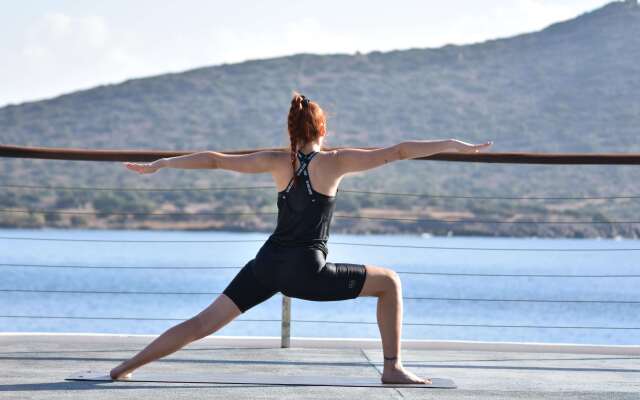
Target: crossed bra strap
302,170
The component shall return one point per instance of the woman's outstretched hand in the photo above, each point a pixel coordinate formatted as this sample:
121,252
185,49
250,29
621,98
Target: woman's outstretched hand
144,168
464,147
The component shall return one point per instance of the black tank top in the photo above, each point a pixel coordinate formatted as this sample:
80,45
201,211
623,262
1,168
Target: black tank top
304,215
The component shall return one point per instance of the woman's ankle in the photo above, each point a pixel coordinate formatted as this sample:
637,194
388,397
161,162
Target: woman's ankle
392,362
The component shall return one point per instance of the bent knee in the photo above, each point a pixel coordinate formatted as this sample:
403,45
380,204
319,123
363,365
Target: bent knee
394,278
382,280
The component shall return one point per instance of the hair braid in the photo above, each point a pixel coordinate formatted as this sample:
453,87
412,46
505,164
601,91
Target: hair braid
305,122
293,121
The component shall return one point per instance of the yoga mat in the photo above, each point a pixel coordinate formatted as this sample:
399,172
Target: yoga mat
236,379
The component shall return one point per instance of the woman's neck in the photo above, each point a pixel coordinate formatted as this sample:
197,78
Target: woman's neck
311,146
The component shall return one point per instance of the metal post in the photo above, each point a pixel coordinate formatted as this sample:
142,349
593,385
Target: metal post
285,338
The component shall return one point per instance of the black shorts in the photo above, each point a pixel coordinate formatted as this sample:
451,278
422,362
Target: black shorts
299,272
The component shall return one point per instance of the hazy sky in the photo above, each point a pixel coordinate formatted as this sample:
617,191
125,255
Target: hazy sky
51,47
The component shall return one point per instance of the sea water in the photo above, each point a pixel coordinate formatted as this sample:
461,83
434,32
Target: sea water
448,306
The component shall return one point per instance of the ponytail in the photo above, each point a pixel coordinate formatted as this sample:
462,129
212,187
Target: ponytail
305,122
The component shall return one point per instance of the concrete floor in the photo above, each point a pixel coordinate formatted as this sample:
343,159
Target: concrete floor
34,366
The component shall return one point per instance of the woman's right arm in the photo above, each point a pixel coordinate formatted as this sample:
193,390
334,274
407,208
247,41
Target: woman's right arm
252,163
197,160
355,160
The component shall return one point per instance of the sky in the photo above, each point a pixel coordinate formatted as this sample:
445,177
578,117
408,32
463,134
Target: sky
51,47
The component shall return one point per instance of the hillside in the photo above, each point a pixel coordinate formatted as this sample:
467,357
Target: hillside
570,87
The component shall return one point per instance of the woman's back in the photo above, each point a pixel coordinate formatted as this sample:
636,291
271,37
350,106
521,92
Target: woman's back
304,213
323,172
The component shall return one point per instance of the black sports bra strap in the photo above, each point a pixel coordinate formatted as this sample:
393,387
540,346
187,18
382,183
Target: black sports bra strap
304,163
306,157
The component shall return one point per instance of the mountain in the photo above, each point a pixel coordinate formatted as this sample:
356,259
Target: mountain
570,87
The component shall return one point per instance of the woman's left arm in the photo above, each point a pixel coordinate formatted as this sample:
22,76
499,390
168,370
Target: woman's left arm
253,163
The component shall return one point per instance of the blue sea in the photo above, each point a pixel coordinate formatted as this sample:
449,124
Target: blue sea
26,266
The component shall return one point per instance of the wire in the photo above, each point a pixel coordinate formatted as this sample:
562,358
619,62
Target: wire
480,221
399,272
130,241
473,325
525,300
166,214
121,318
469,197
449,221
104,292
108,267
396,194
408,246
175,214
406,298
549,249
115,189
326,322
515,275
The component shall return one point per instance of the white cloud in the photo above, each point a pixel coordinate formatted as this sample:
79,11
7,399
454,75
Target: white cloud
58,31
57,23
61,53
309,34
94,29
507,19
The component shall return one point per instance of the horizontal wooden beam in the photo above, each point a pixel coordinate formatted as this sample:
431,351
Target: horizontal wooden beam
65,153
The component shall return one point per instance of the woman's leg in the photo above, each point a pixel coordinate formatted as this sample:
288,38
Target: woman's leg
222,311
385,284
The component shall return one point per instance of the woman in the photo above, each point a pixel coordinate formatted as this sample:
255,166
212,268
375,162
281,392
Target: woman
292,260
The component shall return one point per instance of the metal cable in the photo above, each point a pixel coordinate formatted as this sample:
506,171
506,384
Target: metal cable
328,322
367,192
472,325
524,300
254,213
533,249
130,241
406,298
104,292
108,267
121,318
470,197
399,272
480,221
116,189
150,214
516,275
408,246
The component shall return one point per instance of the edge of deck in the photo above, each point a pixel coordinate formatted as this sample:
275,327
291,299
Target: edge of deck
366,343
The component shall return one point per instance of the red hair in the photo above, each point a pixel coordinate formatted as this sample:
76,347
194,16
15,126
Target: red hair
305,123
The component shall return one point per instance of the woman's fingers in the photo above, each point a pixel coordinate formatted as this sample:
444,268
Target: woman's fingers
476,148
133,166
140,168
465,147
479,147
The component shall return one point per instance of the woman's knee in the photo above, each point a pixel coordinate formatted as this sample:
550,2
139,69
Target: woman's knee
380,281
222,311
394,280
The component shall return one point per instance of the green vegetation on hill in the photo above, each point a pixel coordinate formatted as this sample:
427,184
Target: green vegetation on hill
570,87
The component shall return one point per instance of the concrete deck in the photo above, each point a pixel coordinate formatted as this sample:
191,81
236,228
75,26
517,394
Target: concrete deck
34,366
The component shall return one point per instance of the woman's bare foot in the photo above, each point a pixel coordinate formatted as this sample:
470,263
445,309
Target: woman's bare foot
394,372
119,374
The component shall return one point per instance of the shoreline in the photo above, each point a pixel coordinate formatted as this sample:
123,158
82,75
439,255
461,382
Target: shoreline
423,235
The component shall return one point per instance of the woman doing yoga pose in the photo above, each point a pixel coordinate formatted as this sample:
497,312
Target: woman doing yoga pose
292,260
